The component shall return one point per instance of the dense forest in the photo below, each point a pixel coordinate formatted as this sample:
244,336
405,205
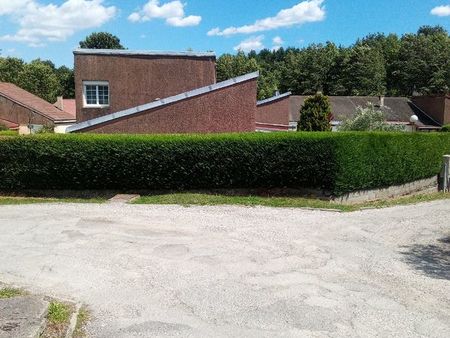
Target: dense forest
377,64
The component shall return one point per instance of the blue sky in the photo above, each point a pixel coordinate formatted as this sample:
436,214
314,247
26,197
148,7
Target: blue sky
51,29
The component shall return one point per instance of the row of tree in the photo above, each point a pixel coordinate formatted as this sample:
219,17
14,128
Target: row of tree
378,64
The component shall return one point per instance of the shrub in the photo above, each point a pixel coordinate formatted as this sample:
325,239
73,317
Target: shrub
3,127
446,128
315,114
335,162
368,119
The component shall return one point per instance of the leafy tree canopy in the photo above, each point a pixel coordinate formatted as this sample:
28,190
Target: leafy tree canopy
101,40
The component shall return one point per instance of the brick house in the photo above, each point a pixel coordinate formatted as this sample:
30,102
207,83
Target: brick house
122,91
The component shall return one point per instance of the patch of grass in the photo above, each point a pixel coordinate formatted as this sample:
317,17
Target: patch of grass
58,313
11,293
58,319
83,318
33,200
280,202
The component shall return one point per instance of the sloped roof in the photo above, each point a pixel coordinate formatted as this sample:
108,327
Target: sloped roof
396,109
33,102
161,103
70,106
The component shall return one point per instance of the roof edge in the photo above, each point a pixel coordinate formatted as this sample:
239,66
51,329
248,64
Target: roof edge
163,102
274,98
26,106
126,52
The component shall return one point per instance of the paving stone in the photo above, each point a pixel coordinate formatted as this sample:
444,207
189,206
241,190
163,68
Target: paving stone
123,198
22,316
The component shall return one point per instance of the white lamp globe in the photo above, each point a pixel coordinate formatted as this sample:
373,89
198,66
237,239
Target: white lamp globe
414,119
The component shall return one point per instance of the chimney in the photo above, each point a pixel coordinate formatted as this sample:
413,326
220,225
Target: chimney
381,97
59,103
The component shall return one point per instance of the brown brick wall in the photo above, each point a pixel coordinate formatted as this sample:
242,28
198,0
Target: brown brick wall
11,111
275,112
137,80
437,107
230,109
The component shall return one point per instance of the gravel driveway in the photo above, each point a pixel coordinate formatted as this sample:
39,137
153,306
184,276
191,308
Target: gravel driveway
149,271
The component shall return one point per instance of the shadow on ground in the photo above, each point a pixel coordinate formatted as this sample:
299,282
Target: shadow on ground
432,259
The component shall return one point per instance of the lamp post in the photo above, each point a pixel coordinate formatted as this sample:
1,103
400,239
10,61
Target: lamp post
413,119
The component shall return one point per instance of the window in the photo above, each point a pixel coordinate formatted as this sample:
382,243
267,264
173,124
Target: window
96,94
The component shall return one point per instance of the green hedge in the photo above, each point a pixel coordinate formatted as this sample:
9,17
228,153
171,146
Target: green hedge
335,162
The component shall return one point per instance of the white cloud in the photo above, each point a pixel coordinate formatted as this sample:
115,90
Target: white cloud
277,43
253,43
172,12
441,11
303,12
277,40
41,23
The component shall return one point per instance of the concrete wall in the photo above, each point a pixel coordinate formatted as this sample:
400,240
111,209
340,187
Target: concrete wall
11,111
437,107
137,80
230,109
274,112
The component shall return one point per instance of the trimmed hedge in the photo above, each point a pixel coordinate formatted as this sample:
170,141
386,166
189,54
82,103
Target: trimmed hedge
335,162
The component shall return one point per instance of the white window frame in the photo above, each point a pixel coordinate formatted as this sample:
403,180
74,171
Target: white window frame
95,83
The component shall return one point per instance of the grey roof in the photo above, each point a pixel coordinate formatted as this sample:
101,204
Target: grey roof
274,98
126,52
163,102
396,109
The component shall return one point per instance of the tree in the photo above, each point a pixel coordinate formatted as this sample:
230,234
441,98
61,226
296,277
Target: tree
10,69
39,78
423,63
364,72
101,40
368,119
315,114
66,78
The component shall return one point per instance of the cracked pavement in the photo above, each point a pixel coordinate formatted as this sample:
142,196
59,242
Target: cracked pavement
157,271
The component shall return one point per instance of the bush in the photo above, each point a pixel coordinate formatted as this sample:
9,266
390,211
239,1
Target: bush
335,162
315,114
3,127
369,119
446,128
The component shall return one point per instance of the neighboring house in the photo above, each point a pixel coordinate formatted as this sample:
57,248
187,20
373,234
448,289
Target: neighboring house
159,92
398,110
437,107
28,113
272,114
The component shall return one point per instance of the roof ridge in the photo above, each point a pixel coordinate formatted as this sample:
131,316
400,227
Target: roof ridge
162,102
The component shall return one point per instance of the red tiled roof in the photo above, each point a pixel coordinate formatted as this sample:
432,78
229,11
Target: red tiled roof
69,106
31,101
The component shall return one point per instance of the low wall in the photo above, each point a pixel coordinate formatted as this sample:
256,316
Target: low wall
428,185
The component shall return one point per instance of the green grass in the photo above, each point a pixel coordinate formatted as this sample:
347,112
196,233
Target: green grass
58,313
33,200
11,292
280,202
82,319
